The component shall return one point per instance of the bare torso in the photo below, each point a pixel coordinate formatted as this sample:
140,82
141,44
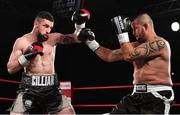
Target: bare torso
41,64
154,70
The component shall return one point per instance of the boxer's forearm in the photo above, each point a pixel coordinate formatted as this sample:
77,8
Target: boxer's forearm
69,39
13,67
109,55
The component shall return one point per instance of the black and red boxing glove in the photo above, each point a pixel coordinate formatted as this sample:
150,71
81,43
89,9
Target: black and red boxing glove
32,51
80,17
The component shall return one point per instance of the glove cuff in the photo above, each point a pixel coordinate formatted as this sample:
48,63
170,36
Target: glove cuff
123,37
93,45
23,61
78,27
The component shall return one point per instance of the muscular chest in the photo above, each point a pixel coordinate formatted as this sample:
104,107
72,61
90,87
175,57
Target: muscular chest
48,50
138,64
150,62
48,54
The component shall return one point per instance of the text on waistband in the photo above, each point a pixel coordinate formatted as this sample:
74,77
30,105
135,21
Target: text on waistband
43,80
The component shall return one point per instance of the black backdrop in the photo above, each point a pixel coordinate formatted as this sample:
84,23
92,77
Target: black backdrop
76,62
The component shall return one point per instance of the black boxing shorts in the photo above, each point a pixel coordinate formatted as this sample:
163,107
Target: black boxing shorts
146,99
39,94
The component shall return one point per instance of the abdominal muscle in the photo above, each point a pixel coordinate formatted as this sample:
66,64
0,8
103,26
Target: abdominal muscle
41,65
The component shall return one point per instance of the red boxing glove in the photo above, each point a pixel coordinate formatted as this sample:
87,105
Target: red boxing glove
31,52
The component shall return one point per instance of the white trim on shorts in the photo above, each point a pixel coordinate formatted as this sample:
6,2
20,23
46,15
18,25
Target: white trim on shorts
152,88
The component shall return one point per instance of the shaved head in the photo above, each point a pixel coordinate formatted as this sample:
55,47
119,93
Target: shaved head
142,26
144,18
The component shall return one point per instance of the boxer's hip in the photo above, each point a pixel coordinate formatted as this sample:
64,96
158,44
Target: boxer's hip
39,81
140,88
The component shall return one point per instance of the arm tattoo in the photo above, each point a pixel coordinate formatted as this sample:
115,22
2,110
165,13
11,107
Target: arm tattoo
68,39
135,53
148,49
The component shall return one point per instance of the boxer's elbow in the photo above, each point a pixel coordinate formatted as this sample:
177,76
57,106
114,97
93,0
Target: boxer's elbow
10,71
127,57
11,68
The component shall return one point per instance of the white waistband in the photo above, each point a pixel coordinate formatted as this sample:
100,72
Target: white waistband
151,88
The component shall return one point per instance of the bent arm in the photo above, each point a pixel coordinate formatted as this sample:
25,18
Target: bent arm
13,65
145,50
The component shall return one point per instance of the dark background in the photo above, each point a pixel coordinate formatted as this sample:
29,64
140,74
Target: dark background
76,62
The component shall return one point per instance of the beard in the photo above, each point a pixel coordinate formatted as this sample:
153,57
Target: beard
41,38
141,40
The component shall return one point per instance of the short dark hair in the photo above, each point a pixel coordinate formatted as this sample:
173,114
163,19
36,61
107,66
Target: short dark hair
45,15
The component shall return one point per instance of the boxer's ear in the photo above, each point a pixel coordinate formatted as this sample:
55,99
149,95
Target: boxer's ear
145,25
36,23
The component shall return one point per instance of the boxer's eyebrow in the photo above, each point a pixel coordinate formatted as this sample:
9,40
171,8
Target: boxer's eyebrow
47,26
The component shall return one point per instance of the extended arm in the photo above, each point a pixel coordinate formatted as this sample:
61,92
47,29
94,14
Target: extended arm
108,55
79,18
65,38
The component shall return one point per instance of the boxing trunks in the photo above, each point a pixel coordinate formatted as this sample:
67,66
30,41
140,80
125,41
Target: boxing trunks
39,94
146,99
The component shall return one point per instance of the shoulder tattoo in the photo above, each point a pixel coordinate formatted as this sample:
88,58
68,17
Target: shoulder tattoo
161,44
148,48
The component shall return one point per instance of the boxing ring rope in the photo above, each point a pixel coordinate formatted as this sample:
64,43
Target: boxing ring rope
94,105
109,87
85,88
102,87
6,99
9,81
